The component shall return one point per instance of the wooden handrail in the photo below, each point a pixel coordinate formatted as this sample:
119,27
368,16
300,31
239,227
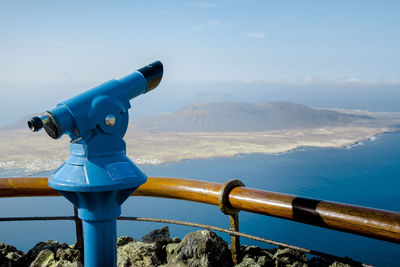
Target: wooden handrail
378,224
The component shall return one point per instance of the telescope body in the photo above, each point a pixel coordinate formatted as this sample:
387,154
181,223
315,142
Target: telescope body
98,176
81,114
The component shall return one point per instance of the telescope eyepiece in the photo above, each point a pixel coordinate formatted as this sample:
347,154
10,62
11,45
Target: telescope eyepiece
47,122
35,124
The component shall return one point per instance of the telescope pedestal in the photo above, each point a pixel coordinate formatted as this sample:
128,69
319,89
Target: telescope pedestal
99,212
97,186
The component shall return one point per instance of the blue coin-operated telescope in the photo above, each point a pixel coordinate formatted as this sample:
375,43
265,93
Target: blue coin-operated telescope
98,176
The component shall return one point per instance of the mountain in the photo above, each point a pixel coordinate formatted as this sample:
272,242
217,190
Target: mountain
235,117
245,117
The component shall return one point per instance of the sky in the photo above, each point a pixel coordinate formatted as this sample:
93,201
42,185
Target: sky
51,50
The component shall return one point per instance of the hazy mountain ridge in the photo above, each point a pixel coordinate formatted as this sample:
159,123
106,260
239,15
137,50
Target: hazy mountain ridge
245,117
236,117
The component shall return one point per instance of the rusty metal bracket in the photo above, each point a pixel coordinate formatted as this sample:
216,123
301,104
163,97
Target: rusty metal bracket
223,196
226,208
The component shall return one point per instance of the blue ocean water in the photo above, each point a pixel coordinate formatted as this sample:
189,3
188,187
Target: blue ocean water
367,175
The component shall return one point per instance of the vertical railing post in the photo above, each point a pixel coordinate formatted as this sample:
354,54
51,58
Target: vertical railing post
235,240
79,232
226,208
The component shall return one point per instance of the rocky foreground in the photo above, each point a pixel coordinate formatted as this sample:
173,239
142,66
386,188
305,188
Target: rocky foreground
201,248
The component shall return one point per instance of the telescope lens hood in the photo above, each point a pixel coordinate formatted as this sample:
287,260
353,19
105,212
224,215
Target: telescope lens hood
153,74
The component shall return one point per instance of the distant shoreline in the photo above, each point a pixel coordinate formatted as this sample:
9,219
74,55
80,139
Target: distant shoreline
32,167
284,150
299,148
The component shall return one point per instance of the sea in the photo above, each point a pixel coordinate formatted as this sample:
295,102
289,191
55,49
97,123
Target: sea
366,173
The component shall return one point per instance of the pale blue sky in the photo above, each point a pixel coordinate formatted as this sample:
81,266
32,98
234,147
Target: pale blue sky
74,43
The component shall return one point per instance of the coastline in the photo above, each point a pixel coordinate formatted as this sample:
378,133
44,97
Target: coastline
259,143
38,153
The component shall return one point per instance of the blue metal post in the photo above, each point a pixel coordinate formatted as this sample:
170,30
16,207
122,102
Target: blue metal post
98,176
100,242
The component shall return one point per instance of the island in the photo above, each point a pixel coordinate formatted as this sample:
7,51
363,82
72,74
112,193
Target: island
210,130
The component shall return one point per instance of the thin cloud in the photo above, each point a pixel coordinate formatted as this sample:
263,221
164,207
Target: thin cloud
196,28
255,35
72,45
308,80
213,23
370,81
201,4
